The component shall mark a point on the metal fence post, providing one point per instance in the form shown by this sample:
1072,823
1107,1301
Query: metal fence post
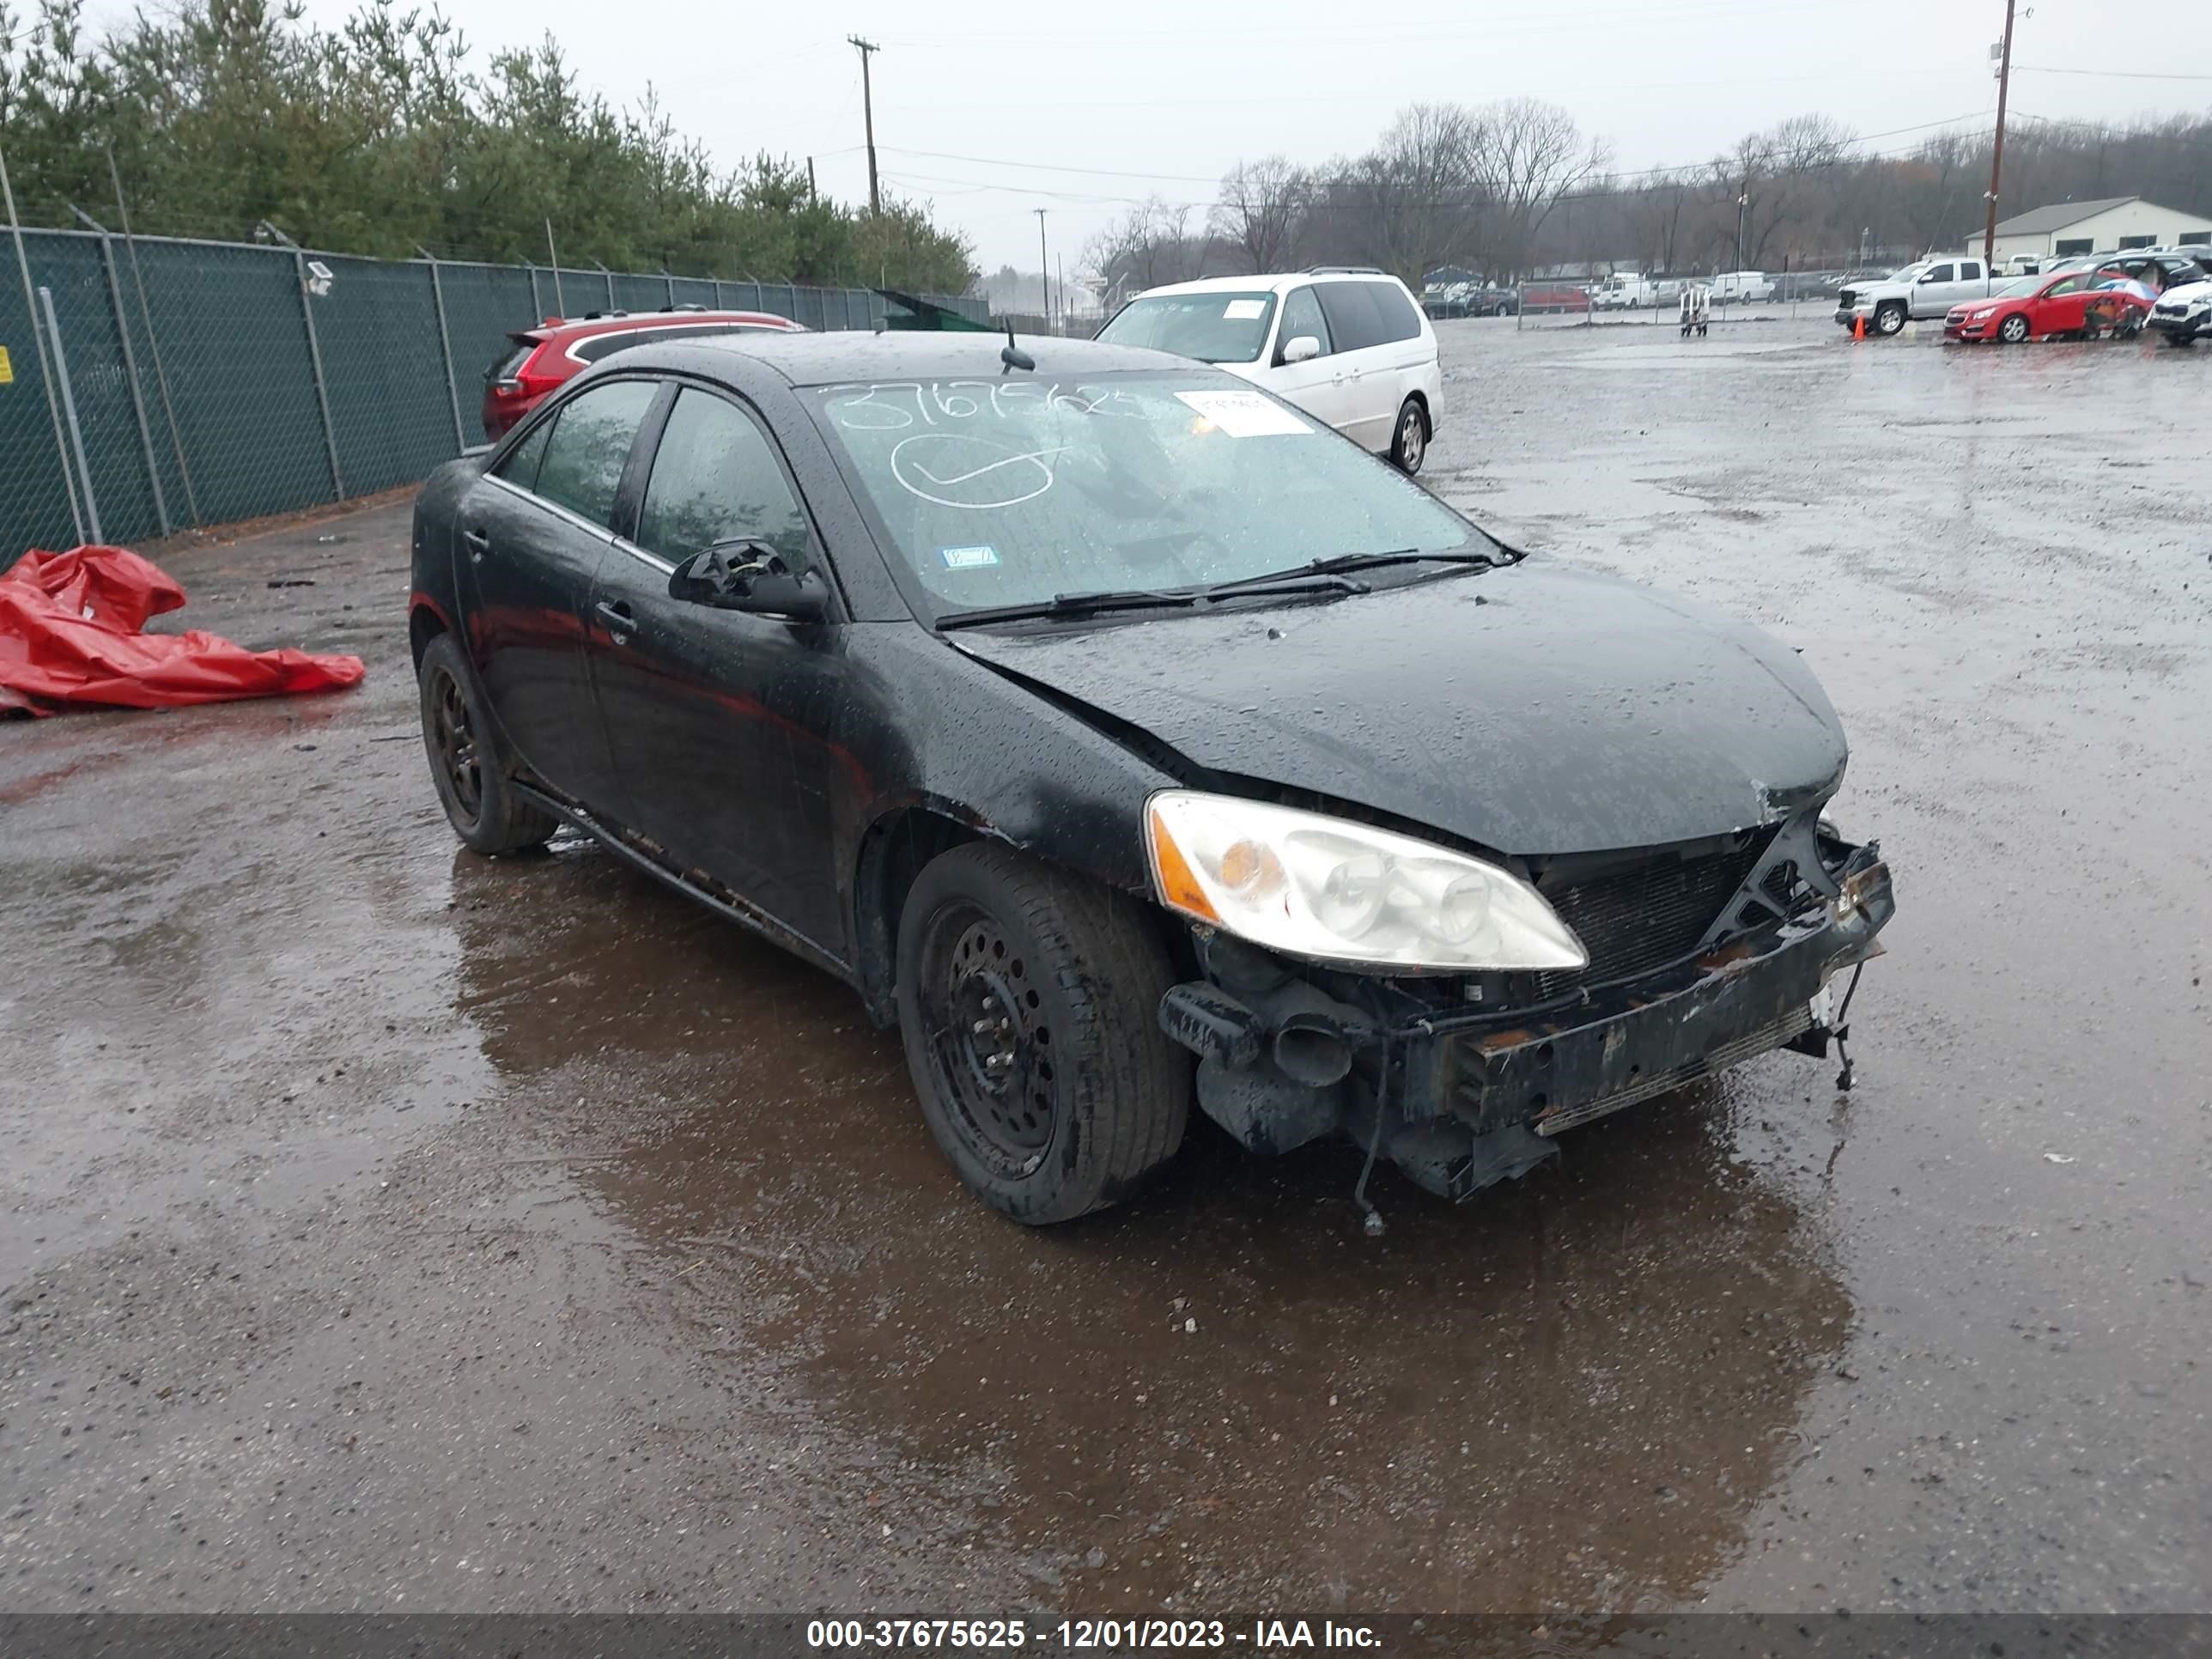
718,294
537,305
45,374
446,350
153,341
130,366
670,281
68,404
315,359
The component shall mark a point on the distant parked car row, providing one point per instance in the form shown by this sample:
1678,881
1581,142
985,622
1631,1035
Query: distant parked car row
2084,295
1441,299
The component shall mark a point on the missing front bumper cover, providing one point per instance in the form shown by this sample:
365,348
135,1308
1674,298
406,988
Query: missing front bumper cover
1465,1100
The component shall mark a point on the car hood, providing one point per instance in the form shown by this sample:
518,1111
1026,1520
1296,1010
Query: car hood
2188,294
1535,709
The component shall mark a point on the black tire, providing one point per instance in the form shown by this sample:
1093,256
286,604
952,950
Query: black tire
1409,439
2013,331
480,801
1889,318
1072,1094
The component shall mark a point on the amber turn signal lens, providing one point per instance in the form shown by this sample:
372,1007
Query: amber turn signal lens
1179,888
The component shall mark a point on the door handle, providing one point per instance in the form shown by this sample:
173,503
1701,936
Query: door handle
616,613
479,543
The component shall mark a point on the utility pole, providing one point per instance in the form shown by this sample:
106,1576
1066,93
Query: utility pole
1996,152
867,49
811,197
1743,206
1044,271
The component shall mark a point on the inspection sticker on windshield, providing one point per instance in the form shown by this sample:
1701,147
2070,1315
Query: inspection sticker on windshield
1242,311
1245,414
968,558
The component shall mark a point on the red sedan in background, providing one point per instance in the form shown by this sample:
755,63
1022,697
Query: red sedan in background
2072,303
543,358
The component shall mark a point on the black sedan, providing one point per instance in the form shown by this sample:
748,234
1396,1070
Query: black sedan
1128,737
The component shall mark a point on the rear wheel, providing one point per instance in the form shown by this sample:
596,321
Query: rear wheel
1029,1004
1409,444
480,801
2013,329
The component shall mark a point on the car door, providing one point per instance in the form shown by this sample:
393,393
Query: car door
533,532
1971,283
1356,326
2063,308
1931,293
719,720
1317,385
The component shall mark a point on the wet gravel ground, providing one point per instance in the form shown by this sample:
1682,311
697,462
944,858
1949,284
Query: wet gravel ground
389,1229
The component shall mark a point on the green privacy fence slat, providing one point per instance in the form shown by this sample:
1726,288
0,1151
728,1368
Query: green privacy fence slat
229,323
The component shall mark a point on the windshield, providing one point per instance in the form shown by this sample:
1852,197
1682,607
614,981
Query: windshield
1011,491
2021,288
1214,328
1904,275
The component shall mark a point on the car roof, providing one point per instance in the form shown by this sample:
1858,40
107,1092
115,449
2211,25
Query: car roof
834,358
582,328
1275,282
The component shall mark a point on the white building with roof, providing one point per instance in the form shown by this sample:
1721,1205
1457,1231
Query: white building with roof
2096,226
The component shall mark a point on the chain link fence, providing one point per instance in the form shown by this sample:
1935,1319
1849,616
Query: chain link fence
1791,294
153,384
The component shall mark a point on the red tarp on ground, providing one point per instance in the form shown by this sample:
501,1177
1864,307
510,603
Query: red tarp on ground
70,633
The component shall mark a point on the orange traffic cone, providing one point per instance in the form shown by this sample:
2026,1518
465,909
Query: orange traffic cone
1858,328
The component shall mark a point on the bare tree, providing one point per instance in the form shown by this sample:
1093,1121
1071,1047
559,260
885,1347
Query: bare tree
1261,210
1414,194
1524,155
1150,245
1770,176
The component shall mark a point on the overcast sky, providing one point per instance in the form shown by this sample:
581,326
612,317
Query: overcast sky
990,115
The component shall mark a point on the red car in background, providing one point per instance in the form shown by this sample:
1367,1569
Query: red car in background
2072,303
543,358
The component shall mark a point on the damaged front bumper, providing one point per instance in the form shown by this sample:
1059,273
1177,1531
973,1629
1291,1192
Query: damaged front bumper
1459,1099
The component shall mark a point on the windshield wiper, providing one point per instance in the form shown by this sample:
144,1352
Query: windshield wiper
1344,561
1074,604
1155,599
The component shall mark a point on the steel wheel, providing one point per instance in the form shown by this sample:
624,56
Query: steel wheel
454,738
990,1043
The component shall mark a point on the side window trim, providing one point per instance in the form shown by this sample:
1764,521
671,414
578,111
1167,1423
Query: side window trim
629,493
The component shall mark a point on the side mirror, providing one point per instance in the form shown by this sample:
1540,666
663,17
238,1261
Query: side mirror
1301,348
750,576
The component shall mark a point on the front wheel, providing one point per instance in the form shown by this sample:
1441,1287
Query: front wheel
1409,444
2014,330
1028,1001
1889,318
480,802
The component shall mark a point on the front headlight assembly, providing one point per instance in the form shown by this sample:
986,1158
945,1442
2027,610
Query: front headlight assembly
1335,890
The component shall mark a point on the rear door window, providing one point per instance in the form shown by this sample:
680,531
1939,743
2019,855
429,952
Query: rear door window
1354,321
520,466
1302,315
1970,272
590,447
1399,321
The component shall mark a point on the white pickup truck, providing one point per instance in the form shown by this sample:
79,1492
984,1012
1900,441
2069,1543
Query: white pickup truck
1926,290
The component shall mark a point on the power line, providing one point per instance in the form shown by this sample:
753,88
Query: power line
2117,75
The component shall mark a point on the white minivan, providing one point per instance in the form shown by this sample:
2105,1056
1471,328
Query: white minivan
1344,343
